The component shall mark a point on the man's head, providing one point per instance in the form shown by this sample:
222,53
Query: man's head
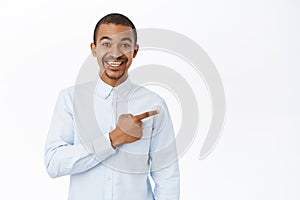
115,45
117,19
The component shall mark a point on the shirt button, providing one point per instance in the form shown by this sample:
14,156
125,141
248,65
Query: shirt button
109,179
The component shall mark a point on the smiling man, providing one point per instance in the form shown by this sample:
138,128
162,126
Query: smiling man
128,149
115,47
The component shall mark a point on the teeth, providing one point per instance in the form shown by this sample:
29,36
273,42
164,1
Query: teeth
114,64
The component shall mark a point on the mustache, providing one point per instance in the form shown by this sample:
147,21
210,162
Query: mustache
112,58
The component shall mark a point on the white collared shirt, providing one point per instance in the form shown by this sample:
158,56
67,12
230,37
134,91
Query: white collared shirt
98,171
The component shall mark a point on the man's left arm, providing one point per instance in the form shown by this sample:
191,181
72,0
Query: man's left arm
163,155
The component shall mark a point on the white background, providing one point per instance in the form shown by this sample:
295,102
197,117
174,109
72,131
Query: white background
255,46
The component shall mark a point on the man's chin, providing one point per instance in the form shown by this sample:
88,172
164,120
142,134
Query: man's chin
114,77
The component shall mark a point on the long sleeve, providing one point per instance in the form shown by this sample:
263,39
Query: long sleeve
62,155
163,155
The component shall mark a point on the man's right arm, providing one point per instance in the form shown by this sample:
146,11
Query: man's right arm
62,156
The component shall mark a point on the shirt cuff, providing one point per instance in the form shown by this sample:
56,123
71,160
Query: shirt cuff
102,148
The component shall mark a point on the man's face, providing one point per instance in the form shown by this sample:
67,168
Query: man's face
114,49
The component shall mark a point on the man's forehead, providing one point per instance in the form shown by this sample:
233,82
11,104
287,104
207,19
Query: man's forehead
114,31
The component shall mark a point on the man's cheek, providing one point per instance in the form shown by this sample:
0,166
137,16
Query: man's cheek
100,63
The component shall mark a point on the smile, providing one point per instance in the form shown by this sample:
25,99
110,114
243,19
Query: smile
113,63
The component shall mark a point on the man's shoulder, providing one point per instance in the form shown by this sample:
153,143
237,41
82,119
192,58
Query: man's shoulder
78,88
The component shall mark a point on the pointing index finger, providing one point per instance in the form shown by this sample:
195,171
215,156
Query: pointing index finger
145,115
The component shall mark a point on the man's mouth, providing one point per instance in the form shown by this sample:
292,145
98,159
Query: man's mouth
114,63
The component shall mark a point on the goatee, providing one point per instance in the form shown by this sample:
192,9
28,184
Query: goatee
114,77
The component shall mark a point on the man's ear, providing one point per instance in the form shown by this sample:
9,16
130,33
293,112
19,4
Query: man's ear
136,49
93,49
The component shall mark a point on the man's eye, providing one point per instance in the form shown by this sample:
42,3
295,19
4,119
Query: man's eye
125,45
106,44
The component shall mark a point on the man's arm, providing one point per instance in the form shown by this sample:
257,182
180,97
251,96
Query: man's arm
62,156
163,155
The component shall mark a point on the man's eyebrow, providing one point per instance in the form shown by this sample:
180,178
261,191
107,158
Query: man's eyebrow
105,37
124,39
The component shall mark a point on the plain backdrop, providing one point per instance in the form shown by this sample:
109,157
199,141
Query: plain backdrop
254,44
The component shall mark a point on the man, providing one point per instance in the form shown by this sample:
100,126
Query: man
110,153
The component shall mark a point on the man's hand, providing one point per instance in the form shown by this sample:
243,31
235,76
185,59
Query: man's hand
129,128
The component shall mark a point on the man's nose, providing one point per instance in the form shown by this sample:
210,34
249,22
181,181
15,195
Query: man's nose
115,51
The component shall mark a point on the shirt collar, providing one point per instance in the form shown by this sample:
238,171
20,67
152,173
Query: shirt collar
104,90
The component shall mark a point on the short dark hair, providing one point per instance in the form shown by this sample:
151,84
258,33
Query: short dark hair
118,19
